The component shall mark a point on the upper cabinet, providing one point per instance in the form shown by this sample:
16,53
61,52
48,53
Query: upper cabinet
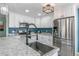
40,22
46,22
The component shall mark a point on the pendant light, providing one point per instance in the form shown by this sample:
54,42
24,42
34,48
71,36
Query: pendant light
48,8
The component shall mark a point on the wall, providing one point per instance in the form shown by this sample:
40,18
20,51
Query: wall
63,11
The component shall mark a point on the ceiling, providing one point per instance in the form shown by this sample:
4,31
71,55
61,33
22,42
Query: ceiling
34,8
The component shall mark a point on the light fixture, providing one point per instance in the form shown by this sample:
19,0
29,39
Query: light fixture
39,14
4,10
48,8
27,11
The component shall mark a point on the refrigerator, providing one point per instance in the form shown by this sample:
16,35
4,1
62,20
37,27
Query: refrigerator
64,35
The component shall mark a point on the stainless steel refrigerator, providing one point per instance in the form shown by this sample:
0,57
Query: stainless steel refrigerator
64,35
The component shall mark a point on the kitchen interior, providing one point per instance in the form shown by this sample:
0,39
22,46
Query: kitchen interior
37,29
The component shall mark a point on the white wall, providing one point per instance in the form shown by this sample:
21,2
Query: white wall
63,11
15,18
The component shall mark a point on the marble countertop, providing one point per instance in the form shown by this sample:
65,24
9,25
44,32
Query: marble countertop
13,47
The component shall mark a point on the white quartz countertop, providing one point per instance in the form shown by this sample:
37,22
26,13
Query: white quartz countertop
14,47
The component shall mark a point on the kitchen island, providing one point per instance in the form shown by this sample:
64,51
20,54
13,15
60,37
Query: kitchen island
14,47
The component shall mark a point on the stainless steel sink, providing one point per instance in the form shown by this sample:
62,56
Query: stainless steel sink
41,48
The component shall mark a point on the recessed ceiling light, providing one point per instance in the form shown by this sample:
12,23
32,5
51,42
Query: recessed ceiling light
27,10
39,14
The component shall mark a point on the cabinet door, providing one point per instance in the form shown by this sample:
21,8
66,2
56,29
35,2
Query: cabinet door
38,22
46,22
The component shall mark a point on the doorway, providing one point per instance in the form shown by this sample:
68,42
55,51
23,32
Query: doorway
2,25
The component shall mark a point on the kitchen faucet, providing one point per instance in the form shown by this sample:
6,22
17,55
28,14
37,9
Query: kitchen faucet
28,34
